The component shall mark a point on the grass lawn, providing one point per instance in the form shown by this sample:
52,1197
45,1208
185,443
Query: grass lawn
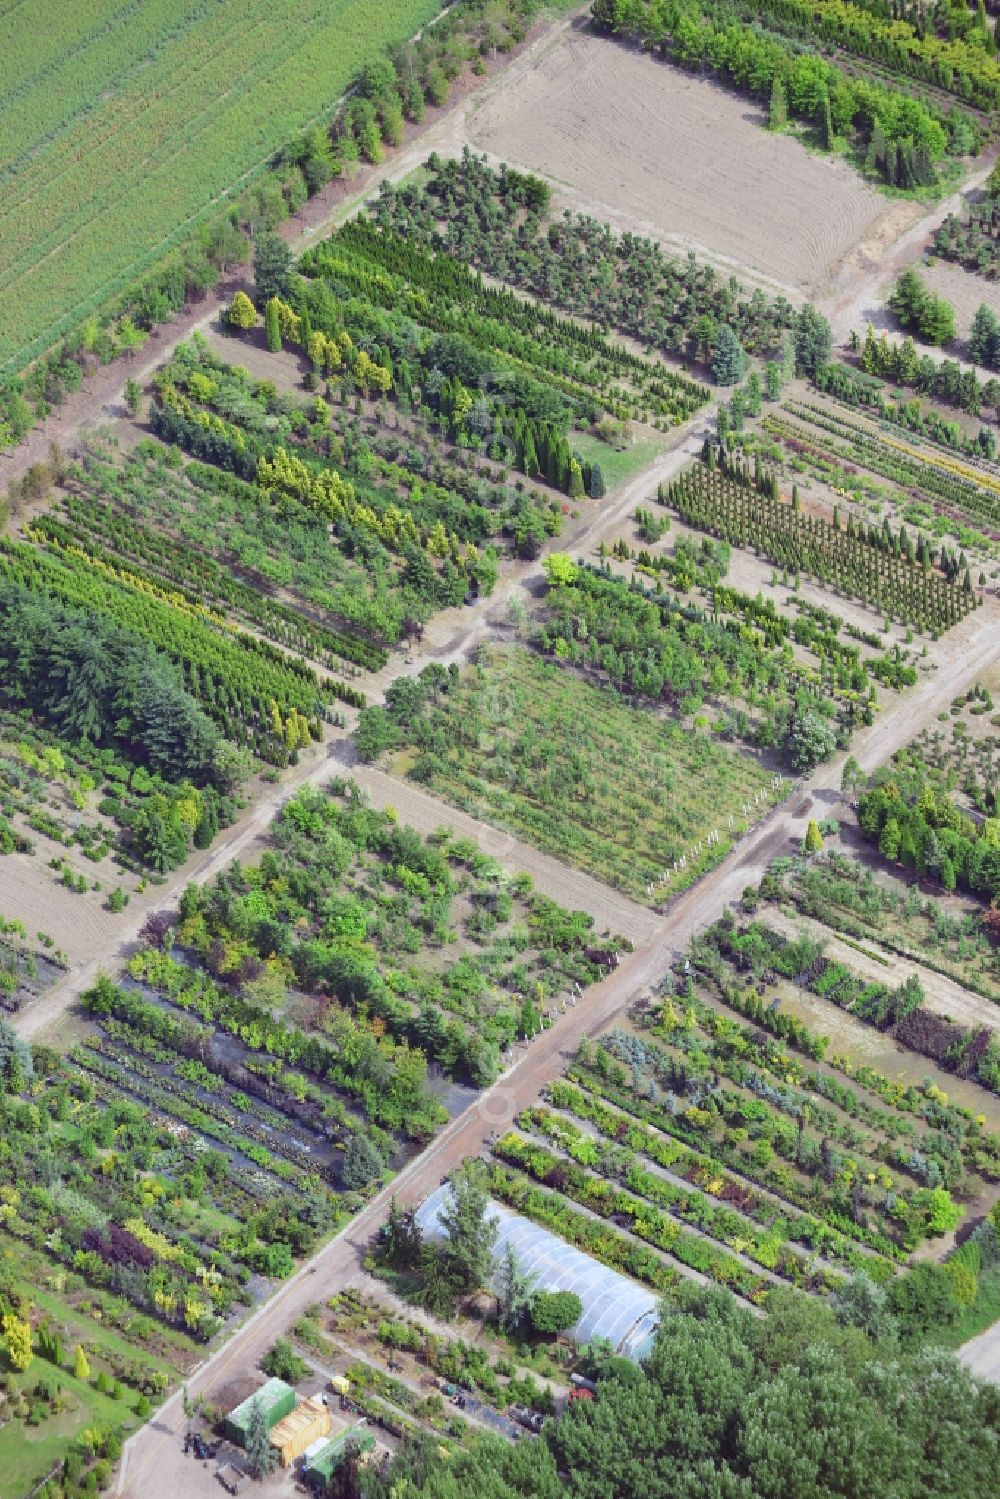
618,466
28,1453
618,791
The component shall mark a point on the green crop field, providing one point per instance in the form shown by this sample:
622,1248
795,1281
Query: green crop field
123,123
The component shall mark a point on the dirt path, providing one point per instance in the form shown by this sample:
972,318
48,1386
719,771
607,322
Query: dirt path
982,1354
858,294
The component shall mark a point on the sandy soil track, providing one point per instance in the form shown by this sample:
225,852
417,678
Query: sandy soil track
661,152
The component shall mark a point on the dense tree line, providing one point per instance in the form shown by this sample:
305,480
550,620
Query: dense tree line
862,387
902,138
496,221
446,295
916,824
87,678
963,65
900,363
806,1404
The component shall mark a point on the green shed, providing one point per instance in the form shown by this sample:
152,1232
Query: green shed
321,1465
277,1397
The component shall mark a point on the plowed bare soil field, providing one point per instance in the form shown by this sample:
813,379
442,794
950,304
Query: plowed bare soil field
649,148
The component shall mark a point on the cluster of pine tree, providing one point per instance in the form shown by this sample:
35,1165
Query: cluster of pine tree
922,310
902,163
901,363
543,452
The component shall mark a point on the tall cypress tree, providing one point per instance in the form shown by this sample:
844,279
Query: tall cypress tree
529,454
272,326
825,123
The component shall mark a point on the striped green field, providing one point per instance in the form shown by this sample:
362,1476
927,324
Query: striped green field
124,121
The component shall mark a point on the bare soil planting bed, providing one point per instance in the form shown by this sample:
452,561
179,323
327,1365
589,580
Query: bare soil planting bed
78,924
964,290
658,151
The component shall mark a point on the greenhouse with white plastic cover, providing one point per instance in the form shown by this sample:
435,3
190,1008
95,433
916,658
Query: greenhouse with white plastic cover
614,1307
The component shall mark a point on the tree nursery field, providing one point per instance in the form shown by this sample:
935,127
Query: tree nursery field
498,750
838,1151
617,790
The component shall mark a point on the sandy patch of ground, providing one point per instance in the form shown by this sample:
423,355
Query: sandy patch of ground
942,995
656,150
963,289
31,892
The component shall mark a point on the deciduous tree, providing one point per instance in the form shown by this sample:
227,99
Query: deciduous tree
555,1311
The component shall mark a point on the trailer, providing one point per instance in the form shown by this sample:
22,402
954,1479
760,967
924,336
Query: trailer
300,1429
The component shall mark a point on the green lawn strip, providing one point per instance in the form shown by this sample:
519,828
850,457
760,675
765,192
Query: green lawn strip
27,1453
617,464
